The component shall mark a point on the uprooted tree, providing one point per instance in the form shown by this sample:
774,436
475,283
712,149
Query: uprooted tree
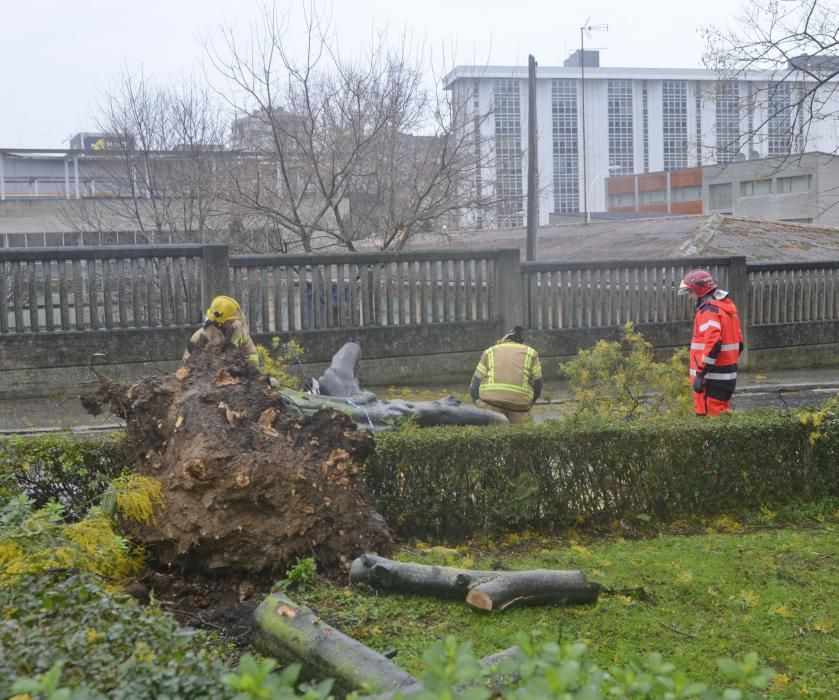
247,483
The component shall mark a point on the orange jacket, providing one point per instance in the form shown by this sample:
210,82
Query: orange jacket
716,344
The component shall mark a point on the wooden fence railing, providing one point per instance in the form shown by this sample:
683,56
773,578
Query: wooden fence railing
594,294
62,289
794,292
308,292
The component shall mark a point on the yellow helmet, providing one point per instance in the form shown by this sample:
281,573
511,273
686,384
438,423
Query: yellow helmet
224,309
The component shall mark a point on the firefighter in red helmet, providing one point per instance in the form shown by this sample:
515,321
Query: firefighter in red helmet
715,346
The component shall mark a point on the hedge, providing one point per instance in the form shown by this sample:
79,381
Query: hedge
70,469
458,481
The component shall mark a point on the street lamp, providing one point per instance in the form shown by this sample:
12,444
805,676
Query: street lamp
607,169
586,28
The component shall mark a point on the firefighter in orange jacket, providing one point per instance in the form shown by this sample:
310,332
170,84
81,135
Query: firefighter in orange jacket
508,379
716,344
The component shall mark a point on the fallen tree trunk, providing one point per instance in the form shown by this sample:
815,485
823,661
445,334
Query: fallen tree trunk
293,633
486,590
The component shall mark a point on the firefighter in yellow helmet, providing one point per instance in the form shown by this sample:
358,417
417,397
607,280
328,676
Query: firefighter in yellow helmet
224,324
508,379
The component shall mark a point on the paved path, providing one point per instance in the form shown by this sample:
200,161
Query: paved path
771,389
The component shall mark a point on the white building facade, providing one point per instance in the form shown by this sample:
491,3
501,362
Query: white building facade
637,120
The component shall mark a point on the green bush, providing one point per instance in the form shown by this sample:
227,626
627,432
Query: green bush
623,380
457,481
71,470
107,643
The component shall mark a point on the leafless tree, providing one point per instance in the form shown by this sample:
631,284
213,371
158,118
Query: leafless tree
162,167
795,44
343,148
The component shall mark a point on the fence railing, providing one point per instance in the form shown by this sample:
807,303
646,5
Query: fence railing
794,292
594,294
62,289
80,289
307,292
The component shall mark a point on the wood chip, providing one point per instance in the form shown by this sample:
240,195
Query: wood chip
224,378
271,432
182,373
267,416
229,413
179,422
286,611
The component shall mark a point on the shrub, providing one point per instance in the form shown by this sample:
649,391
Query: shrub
457,481
277,362
623,380
108,645
71,470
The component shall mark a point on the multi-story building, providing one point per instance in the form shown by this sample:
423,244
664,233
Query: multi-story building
803,188
637,120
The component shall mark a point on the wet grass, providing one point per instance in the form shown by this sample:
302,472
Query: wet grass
723,592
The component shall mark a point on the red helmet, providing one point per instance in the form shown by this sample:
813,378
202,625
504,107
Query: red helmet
699,282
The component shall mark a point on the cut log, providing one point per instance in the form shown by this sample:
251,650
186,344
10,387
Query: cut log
486,590
293,633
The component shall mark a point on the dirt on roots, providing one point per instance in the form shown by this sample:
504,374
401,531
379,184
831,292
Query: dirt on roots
248,485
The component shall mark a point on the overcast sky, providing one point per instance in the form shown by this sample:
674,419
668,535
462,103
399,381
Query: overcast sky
58,55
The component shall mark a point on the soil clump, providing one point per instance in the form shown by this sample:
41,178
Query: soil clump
248,484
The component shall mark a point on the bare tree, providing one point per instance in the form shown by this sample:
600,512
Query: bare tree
795,46
161,170
341,149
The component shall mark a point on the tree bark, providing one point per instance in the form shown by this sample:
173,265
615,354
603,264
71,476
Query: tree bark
486,590
293,633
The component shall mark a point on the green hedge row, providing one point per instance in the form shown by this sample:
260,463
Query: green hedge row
70,469
459,481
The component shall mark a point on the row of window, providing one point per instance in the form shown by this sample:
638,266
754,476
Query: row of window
679,194
781,129
721,196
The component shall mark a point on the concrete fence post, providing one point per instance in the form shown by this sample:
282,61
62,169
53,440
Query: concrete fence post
509,289
739,287
216,272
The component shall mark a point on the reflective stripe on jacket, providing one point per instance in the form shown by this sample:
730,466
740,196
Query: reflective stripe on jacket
715,346
507,371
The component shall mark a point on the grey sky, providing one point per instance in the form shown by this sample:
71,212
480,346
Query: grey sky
58,56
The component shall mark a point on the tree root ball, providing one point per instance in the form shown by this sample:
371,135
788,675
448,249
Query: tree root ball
248,485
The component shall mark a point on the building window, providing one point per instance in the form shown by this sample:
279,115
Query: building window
686,194
720,196
728,121
796,183
698,107
565,148
508,154
626,199
645,112
779,126
675,123
621,147
476,127
753,187
652,197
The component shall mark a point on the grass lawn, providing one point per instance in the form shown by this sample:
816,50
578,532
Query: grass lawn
773,590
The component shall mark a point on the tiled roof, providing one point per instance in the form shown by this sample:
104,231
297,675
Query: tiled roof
665,237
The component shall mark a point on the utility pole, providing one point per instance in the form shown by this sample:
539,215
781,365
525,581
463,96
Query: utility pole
532,161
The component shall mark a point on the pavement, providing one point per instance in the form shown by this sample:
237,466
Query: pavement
777,389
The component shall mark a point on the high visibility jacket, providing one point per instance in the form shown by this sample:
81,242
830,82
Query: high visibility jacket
507,371
234,332
716,344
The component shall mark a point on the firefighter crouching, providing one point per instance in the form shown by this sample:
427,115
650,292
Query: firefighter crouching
715,346
224,324
508,379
